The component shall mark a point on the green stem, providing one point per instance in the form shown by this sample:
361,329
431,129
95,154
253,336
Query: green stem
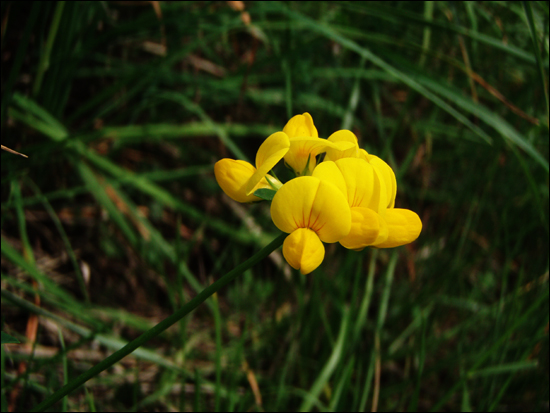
218,355
163,325
427,35
533,30
45,57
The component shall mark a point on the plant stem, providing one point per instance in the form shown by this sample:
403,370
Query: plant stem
163,325
536,49
45,57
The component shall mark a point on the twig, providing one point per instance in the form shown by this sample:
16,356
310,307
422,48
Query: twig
5,148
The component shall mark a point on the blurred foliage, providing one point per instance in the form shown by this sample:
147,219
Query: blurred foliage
115,219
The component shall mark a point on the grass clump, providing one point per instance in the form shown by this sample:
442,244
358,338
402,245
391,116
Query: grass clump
115,220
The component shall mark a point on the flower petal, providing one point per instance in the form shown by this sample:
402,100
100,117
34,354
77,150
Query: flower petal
330,213
365,188
303,250
388,176
328,171
404,227
271,151
233,176
292,203
365,227
363,154
345,146
379,200
303,148
384,231
308,202
301,126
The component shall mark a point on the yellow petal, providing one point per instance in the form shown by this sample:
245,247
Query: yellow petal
345,146
233,176
388,176
303,250
292,203
363,184
365,227
330,213
303,148
301,126
308,202
384,231
363,154
379,199
271,151
329,172
404,227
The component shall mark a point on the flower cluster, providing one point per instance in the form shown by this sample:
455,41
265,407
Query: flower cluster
348,198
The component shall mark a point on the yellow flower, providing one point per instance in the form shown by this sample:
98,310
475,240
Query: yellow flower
239,179
370,188
302,153
349,198
404,226
301,126
271,151
305,144
233,177
311,211
387,175
383,169
365,192
346,146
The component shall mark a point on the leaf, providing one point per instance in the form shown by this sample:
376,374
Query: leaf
265,193
6,339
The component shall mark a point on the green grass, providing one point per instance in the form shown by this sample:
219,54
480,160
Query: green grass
115,221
